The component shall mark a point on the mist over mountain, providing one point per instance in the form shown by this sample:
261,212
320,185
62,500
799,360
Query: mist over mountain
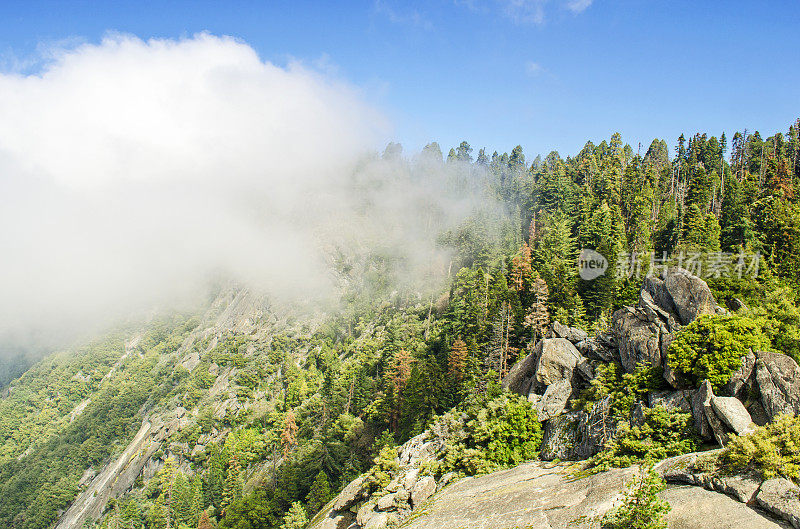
134,173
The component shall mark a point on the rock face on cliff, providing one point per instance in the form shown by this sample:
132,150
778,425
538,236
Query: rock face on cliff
119,475
645,331
778,379
234,310
545,496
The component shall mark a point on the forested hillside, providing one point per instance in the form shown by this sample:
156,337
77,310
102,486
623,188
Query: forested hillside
278,408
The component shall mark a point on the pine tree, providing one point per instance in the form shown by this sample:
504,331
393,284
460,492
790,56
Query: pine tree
464,152
296,518
233,484
537,317
521,268
457,359
399,374
319,494
289,434
205,521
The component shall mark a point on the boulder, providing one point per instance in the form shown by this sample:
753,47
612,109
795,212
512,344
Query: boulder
379,520
334,522
595,428
672,400
735,304
354,492
415,450
554,400
657,292
410,479
556,360
778,380
424,489
690,295
560,437
593,350
365,513
757,413
572,334
705,420
733,413
655,313
402,496
639,339
741,378
386,503
781,497
518,378
637,414
445,480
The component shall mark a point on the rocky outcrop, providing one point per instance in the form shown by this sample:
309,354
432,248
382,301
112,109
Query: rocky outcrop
519,377
573,334
556,360
533,495
705,419
119,475
781,497
690,295
778,496
778,379
551,374
697,508
638,337
560,437
733,414
672,400
579,434
545,496
643,333
554,400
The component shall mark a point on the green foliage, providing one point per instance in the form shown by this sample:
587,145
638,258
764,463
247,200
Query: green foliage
779,318
711,348
624,389
772,450
641,508
660,434
490,434
296,518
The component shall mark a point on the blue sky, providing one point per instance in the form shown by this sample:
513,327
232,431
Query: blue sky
547,74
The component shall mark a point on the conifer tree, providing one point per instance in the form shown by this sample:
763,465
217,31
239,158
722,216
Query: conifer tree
319,494
457,359
289,434
205,521
296,518
233,483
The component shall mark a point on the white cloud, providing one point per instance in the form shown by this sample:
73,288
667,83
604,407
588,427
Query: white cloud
525,11
579,6
407,18
132,172
533,68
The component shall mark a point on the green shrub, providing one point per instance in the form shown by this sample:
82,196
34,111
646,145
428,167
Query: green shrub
711,348
487,435
386,464
663,433
779,317
625,389
772,450
641,507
